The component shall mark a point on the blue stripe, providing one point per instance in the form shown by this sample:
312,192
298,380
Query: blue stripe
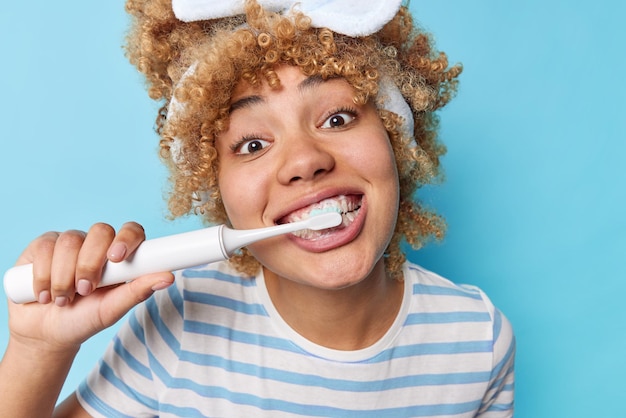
334,384
460,347
170,339
177,300
497,325
501,407
423,289
500,382
108,373
420,410
507,360
240,336
446,317
181,411
195,273
137,328
224,302
130,360
96,403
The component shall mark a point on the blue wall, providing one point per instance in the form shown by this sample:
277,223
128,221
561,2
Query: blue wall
535,189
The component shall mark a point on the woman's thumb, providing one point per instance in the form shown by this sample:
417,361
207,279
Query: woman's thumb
123,298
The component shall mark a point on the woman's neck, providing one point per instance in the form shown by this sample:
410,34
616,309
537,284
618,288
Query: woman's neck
343,319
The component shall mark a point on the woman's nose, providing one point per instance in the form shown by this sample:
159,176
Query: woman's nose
304,160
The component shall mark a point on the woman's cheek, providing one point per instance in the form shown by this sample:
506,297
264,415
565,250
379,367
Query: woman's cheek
243,195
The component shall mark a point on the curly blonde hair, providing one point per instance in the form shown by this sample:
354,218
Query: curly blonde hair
249,47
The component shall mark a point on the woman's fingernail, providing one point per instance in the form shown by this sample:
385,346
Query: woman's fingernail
61,301
83,287
117,252
44,297
161,286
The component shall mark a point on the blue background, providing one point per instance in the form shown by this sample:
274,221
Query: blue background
535,189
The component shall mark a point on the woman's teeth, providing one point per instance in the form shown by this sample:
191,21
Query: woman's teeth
348,208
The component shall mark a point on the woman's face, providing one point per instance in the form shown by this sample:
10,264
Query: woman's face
291,152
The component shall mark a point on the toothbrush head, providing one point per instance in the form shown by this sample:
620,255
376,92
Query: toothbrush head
323,220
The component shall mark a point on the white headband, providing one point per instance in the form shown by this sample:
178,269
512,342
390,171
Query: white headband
348,17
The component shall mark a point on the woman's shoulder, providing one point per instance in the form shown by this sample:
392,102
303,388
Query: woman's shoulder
427,282
440,299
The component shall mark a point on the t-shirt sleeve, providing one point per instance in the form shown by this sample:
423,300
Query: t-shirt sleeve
499,398
124,382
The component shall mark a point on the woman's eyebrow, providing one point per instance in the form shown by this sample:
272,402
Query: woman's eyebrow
245,102
306,84
310,83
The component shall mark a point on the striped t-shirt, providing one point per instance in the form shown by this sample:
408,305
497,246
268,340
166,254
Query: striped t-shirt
213,345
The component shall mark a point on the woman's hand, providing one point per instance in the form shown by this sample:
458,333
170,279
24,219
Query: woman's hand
67,268
46,335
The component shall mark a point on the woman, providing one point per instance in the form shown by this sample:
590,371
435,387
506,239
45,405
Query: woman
271,115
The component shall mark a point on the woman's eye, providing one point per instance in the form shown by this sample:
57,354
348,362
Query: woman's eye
338,119
250,146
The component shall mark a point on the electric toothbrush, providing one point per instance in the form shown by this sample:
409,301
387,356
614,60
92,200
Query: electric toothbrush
173,252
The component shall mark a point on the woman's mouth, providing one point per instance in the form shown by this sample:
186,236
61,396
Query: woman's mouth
347,206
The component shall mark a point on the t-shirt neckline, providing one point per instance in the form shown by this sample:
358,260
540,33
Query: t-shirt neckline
329,353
